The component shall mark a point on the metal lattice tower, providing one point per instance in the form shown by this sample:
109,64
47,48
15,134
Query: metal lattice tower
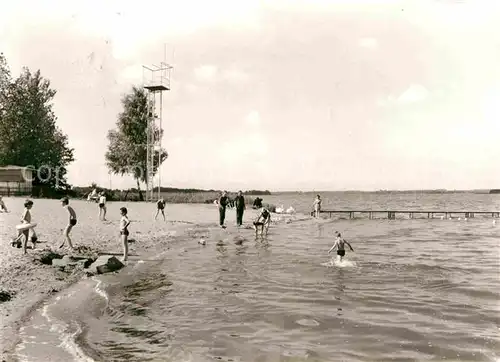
156,79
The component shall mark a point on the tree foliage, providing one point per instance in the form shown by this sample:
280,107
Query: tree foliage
127,151
28,132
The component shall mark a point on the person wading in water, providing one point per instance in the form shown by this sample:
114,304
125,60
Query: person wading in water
223,200
240,208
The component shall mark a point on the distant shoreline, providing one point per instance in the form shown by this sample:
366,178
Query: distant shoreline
198,196
481,191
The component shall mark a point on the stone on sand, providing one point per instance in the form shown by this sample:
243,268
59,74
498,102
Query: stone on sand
47,256
106,264
71,261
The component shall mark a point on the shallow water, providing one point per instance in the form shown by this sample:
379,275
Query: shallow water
422,289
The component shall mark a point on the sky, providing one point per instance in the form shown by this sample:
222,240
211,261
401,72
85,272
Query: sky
278,95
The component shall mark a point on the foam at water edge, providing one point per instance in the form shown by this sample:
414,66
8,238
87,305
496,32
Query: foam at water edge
340,264
100,291
70,345
68,342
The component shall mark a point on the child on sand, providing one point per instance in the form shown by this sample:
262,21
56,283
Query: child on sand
263,221
339,244
124,223
26,219
160,205
2,205
71,223
102,206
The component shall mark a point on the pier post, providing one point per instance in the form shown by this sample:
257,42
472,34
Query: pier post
428,215
370,215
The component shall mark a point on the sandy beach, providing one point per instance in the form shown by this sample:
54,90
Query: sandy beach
31,282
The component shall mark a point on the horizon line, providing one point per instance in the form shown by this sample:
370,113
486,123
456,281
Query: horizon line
309,191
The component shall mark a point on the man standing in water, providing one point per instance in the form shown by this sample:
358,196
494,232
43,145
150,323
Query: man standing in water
339,244
223,200
317,206
239,202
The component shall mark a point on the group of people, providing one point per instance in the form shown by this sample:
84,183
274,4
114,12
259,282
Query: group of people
263,220
28,234
261,223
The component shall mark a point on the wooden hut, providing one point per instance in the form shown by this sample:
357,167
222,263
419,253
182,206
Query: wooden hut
16,180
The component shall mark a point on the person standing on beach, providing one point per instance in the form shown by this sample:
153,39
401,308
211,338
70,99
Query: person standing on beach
239,202
124,233
2,205
223,200
160,206
317,206
71,223
102,206
26,219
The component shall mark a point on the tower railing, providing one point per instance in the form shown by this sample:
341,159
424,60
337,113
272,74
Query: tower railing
156,80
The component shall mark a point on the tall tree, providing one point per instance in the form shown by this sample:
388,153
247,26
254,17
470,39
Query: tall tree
28,132
127,151
5,80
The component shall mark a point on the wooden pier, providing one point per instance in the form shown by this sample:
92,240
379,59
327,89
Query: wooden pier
391,214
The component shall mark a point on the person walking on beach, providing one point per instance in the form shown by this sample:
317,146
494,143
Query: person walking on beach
239,202
317,206
339,244
223,200
262,221
2,205
124,233
71,222
102,206
160,207
26,219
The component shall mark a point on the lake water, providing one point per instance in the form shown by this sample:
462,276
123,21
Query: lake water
413,290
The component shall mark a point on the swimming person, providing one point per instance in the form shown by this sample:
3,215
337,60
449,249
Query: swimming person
339,244
160,206
2,205
239,202
71,223
317,206
102,206
263,221
124,223
222,208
